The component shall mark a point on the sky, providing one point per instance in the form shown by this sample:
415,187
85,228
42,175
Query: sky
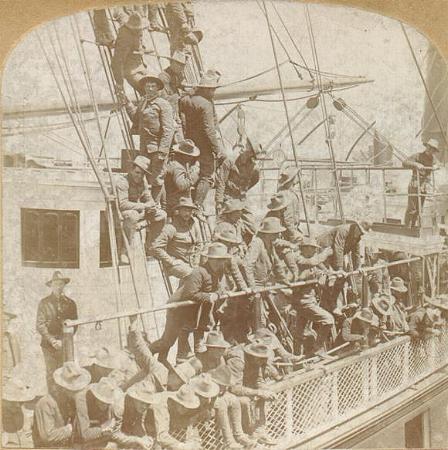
236,42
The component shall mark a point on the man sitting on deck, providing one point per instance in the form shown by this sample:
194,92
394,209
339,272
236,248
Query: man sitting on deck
136,204
421,164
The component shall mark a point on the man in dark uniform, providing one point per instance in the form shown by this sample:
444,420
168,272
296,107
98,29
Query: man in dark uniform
180,242
421,165
153,121
51,314
200,124
182,174
173,79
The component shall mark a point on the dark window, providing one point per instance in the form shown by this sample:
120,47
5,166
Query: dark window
50,238
414,432
105,253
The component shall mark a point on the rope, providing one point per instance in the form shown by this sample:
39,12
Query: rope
324,110
425,85
358,139
285,105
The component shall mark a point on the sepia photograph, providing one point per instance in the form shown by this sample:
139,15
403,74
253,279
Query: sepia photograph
224,226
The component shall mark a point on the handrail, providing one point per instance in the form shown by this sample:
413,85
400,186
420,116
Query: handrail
233,295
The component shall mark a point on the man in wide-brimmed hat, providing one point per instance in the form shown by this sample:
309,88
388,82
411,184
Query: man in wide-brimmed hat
213,350
382,308
51,314
235,213
358,329
180,19
127,60
55,413
153,120
200,124
399,311
265,259
201,286
423,322
148,12
182,174
422,164
137,204
178,245
235,177
379,280
103,361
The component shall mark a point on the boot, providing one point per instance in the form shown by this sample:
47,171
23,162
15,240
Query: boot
234,412
262,436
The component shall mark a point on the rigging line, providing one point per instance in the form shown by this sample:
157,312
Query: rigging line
60,141
424,84
272,29
358,139
439,104
285,105
323,72
291,38
251,77
324,111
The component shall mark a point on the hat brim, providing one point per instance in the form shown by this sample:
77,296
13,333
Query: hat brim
199,35
380,309
65,280
103,365
218,237
149,399
206,394
277,208
215,256
99,396
147,78
310,245
80,384
26,397
278,230
141,167
222,345
189,405
402,290
230,211
290,178
363,319
193,206
178,150
266,356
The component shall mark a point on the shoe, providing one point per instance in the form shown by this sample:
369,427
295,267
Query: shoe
246,441
262,437
233,446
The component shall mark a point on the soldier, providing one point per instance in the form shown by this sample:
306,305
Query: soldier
173,78
382,308
228,415
235,178
52,312
214,349
102,27
96,421
55,413
310,260
236,214
201,286
423,322
146,12
136,204
399,313
379,280
102,364
200,124
182,174
285,205
247,364
359,329
265,262
153,120
179,243
421,164
10,349
180,18
127,60
14,394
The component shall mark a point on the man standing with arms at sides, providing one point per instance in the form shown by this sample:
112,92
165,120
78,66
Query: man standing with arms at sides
421,164
153,120
52,312
200,124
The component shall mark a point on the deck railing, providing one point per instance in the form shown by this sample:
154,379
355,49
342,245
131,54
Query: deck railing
312,402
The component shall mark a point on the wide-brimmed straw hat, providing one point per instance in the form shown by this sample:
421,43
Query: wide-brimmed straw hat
186,397
222,376
382,304
142,162
271,225
104,357
215,339
144,391
57,276
204,386
288,175
232,205
228,235
71,377
365,315
397,284
136,22
15,390
258,349
217,250
433,143
210,79
278,202
104,390
182,373
153,78
186,147
309,242
185,202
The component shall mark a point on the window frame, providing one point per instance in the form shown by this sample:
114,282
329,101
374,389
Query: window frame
59,261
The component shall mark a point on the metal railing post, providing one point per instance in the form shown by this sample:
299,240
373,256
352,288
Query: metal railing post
372,370
406,362
334,403
289,419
